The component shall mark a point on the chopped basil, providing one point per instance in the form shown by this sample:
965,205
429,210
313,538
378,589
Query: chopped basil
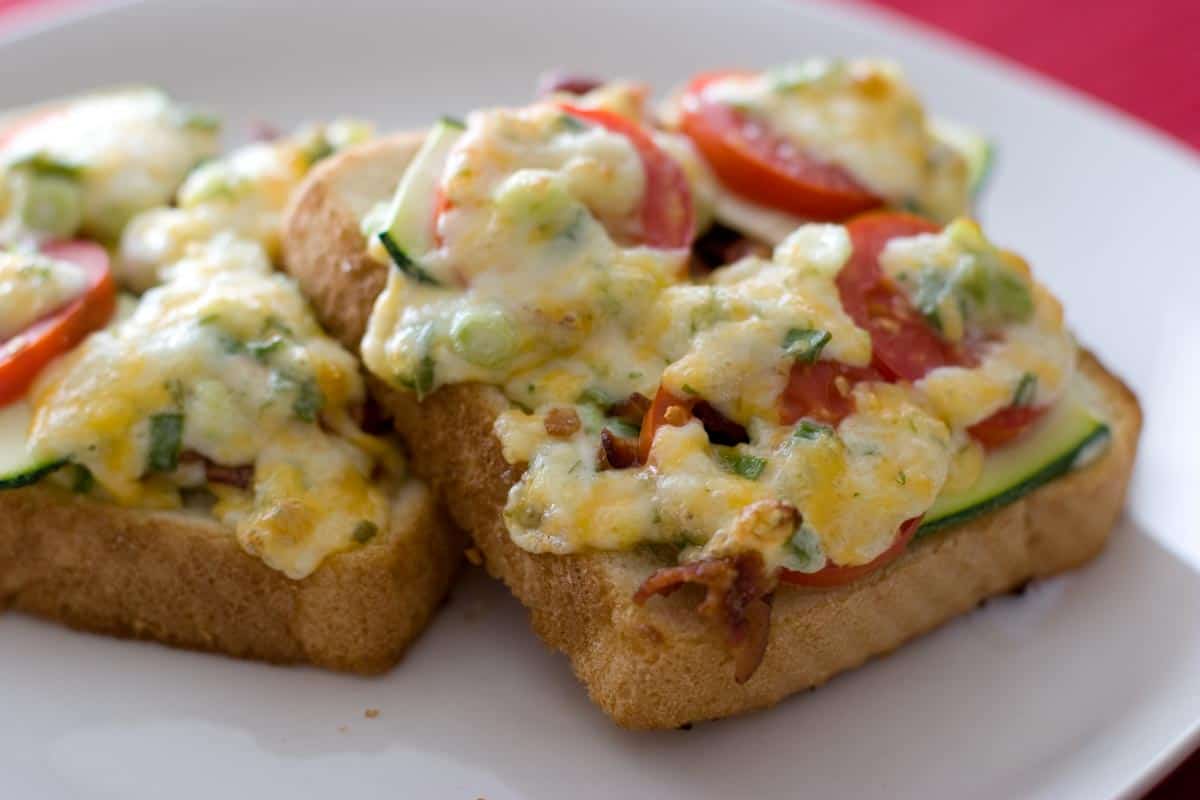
82,479
365,531
423,378
571,123
744,464
309,400
594,397
403,262
166,440
807,429
48,166
1026,390
805,344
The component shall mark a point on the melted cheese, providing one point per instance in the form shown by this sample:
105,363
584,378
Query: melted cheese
542,295
859,115
244,192
231,349
126,151
32,286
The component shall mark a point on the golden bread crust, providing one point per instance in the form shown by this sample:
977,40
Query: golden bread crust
182,579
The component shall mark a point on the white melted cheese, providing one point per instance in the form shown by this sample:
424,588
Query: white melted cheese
244,192
543,297
861,116
231,349
32,286
126,151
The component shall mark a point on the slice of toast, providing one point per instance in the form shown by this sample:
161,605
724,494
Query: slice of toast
183,579
662,665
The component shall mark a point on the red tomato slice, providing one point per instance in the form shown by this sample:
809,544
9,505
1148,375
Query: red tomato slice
833,575
656,417
667,216
765,167
25,355
813,391
1006,425
904,345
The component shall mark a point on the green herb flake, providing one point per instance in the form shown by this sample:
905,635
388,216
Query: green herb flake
571,123
594,397
48,166
807,429
452,122
82,479
262,350
901,478
743,464
309,400
423,378
805,344
1026,390
689,389
365,531
166,440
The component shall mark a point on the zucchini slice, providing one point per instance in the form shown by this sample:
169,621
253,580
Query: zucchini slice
18,467
978,151
1070,436
408,234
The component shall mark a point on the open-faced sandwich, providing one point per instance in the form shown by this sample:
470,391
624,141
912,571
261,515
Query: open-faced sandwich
722,452
201,464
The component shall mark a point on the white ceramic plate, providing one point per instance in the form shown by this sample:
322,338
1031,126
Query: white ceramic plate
1088,686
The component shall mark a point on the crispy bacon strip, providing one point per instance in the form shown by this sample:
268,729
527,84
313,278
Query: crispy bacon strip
737,597
720,428
240,477
616,452
632,409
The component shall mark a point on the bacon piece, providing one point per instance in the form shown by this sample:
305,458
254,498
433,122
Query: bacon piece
569,83
240,477
720,428
616,452
719,246
562,422
737,597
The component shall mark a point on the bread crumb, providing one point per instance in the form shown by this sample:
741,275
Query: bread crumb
371,713
474,556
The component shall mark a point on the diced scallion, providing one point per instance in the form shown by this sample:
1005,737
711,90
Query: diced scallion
166,440
805,344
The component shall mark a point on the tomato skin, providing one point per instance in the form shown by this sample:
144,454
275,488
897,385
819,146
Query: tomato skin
656,417
812,391
765,167
904,345
24,356
1006,425
667,213
833,575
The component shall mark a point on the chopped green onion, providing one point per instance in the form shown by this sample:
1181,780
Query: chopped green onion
452,122
571,123
1026,390
807,429
45,166
309,400
484,336
365,531
166,440
82,479
595,397
688,389
403,262
423,379
805,344
744,464
52,204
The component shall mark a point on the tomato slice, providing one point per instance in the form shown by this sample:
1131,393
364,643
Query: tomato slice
904,345
765,167
834,575
656,417
1006,425
814,391
667,215
25,355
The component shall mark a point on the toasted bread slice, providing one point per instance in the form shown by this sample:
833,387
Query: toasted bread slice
184,580
662,665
